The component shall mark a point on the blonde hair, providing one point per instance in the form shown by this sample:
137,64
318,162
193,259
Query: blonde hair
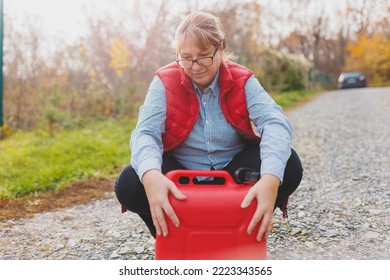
203,28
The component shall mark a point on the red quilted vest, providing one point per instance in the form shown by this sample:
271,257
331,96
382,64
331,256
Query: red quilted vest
183,105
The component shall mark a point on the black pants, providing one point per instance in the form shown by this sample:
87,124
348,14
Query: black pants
131,193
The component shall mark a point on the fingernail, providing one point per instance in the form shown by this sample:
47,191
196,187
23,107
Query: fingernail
244,204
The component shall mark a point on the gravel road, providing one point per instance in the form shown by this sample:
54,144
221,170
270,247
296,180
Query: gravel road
340,211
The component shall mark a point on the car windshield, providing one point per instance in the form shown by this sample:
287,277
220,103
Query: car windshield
352,74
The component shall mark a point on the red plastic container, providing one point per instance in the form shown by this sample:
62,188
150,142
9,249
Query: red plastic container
212,223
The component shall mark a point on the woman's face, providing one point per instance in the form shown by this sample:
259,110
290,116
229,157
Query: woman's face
201,75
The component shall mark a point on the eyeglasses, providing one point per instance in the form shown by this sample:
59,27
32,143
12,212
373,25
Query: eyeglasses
202,61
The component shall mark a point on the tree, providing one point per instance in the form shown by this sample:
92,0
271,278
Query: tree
371,54
23,71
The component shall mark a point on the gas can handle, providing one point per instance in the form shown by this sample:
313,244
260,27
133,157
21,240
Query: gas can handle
174,175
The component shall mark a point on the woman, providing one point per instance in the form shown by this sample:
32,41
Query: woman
198,114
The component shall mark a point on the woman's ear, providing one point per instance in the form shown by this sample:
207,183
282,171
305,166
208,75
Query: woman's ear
223,44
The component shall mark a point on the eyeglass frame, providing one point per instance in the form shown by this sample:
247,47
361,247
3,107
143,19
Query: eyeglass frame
196,59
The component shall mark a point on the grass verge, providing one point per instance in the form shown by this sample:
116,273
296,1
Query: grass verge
33,162
292,99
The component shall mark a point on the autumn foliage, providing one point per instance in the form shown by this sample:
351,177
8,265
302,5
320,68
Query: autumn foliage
106,72
371,54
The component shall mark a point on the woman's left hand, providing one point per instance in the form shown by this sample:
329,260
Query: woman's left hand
265,192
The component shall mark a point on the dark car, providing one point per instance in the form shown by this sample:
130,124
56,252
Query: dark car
351,80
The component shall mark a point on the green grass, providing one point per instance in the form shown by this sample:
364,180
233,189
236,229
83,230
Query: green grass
291,99
33,161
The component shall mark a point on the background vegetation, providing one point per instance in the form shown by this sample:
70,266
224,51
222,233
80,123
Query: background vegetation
291,45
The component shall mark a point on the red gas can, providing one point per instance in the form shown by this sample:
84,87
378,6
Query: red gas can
212,223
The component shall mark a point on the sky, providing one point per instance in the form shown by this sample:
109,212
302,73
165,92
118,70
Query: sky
66,16
59,17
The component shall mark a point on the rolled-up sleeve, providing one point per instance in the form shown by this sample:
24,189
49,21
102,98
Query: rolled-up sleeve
146,139
272,125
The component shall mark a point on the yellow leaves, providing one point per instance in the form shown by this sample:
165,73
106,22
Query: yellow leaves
119,54
5,131
371,54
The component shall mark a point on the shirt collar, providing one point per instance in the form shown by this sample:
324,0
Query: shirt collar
214,86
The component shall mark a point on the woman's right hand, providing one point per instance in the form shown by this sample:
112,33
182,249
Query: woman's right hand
157,188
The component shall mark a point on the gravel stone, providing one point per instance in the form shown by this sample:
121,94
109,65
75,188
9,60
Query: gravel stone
372,235
340,211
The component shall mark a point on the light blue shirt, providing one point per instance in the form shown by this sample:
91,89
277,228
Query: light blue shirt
212,142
